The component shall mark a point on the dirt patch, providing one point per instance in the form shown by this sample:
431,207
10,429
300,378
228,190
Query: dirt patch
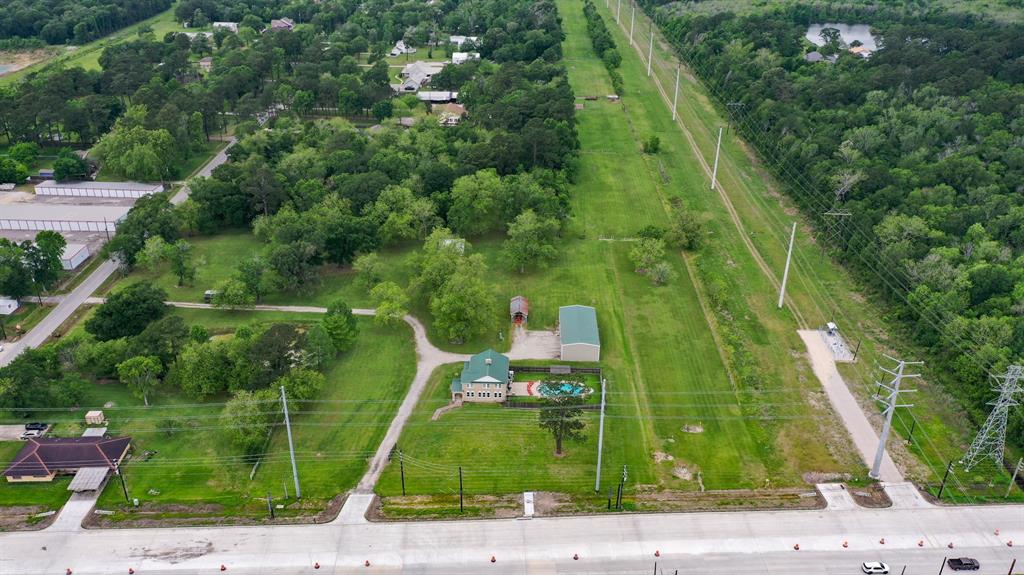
682,472
179,515
23,518
692,428
176,554
22,59
445,507
661,456
816,477
651,499
872,496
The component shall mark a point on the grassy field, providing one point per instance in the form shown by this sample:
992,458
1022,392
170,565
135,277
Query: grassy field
819,289
192,463
25,317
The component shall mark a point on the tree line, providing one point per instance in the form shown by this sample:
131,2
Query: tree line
73,21
921,143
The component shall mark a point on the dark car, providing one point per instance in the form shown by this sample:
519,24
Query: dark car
35,426
963,564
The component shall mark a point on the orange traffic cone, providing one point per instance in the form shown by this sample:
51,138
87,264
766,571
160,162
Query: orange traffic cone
845,544
493,559
881,541
316,565
796,547
366,563
69,571
920,542
950,545
657,553
223,568
575,556
997,531
131,571
1009,543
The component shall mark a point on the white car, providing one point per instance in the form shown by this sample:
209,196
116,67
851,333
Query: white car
874,567
31,433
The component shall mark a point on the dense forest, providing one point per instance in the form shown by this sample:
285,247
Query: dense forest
922,143
73,21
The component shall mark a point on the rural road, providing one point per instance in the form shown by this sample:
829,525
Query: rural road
67,305
735,542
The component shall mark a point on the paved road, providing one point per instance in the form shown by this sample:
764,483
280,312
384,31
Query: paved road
845,404
39,334
739,542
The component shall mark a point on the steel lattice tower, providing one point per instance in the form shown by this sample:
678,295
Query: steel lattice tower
991,440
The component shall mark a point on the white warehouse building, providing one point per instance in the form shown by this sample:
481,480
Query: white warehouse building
90,189
73,256
61,217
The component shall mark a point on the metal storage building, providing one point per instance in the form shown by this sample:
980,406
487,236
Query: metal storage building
8,305
73,256
577,329
61,217
90,189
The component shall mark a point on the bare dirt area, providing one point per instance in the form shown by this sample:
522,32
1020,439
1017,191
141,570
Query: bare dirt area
12,61
553,504
420,507
872,496
23,518
155,515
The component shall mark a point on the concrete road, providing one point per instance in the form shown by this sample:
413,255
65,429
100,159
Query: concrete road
39,334
854,420
739,542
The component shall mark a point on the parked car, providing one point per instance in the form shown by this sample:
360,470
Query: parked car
963,564
874,567
35,426
31,433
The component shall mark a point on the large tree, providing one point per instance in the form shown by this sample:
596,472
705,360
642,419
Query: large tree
127,312
562,416
465,305
531,240
140,374
341,325
247,418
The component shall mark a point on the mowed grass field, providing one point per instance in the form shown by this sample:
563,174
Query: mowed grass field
819,288
190,460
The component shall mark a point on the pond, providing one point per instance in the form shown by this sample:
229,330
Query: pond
849,33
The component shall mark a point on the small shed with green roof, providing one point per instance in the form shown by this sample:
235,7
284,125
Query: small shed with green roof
577,329
484,378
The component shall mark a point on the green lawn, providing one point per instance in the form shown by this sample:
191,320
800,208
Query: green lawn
25,317
334,435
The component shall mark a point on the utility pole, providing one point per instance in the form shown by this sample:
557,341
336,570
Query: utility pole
1016,470
718,150
675,97
785,272
944,477
401,466
461,508
622,483
632,20
270,505
650,51
600,439
991,440
125,488
893,387
291,446
618,8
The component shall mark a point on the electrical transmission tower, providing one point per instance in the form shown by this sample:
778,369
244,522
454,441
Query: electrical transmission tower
991,439
893,387
834,227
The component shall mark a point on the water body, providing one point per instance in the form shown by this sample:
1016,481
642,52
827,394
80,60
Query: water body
849,33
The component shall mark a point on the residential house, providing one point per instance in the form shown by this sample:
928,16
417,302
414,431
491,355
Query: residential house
814,57
862,51
485,378
42,459
229,26
400,48
416,74
407,121
461,57
449,114
206,64
460,40
282,24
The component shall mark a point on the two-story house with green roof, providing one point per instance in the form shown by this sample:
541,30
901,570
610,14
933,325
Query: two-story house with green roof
484,378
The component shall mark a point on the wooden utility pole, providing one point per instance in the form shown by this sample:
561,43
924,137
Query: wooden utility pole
785,272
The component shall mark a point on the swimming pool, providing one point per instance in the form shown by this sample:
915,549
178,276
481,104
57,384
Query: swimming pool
564,388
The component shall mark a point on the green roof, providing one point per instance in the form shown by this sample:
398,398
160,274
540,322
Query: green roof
478,368
578,324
